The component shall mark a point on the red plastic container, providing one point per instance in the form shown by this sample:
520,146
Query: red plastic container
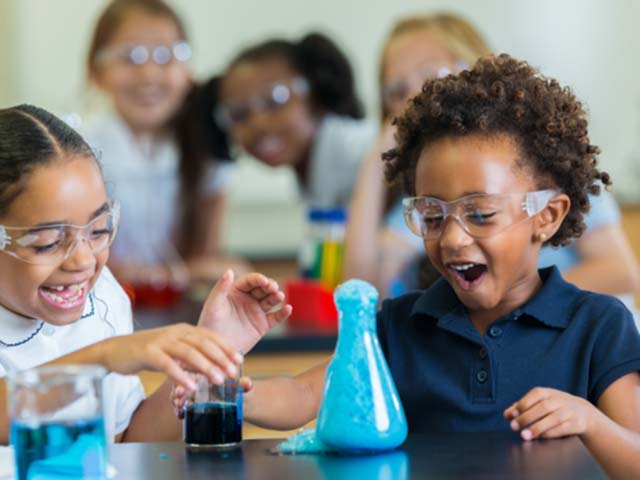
312,303
154,295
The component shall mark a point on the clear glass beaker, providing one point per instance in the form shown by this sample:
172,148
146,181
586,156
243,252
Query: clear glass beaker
57,422
213,418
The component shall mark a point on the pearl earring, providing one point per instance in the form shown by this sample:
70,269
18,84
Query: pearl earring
542,237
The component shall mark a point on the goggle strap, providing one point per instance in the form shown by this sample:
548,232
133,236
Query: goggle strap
536,201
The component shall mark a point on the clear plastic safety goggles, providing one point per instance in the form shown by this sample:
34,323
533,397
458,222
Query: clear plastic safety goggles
142,54
52,244
480,215
397,90
272,99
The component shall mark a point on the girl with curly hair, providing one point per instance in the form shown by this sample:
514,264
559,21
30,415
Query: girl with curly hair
379,247
499,163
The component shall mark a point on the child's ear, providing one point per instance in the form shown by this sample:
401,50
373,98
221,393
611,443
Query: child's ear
548,221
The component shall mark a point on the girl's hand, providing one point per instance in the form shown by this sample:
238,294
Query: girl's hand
179,395
174,350
550,413
245,310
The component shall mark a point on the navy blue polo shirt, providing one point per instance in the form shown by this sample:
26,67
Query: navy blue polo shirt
451,378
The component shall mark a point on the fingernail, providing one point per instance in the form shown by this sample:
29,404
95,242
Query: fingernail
216,377
191,385
238,357
526,434
515,414
232,370
514,425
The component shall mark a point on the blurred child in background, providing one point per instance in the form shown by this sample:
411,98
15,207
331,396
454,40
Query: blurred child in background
166,163
295,104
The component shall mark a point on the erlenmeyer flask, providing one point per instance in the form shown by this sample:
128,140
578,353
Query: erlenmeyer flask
360,410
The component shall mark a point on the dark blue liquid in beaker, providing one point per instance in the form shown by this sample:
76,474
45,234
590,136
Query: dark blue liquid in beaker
72,450
215,424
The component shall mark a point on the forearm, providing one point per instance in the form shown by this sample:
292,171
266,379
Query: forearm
365,219
211,211
604,276
154,419
282,403
614,447
608,263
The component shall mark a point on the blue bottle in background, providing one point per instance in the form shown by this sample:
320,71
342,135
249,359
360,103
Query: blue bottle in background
361,409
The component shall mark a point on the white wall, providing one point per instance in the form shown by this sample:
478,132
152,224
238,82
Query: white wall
590,45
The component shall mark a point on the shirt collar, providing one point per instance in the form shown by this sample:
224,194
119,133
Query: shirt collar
552,305
16,330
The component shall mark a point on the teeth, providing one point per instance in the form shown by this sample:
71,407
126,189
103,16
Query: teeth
76,287
463,267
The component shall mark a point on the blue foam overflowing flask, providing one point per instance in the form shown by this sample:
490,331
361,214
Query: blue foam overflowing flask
360,410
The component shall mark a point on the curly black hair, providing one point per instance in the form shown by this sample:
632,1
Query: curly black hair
502,95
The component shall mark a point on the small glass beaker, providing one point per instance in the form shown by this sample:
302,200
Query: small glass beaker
213,417
57,423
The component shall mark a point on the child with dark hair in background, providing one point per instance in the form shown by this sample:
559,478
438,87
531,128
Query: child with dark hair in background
295,104
498,162
165,159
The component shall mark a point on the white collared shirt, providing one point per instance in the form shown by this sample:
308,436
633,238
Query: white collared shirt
26,343
145,179
338,150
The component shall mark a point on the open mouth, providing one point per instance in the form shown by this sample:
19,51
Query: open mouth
468,274
64,297
269,147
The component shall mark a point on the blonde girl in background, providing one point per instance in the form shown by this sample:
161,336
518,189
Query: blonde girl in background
167,165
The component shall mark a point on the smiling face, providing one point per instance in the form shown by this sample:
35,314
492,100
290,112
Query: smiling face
67,190
145,96
277,135
491,276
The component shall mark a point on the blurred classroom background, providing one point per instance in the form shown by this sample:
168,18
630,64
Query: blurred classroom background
588,44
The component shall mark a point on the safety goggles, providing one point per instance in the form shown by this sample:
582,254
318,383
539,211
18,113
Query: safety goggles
399,89
272,99
480,215
142,54
53,244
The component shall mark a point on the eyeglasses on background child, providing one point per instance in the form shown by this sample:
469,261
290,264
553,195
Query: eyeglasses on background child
275,97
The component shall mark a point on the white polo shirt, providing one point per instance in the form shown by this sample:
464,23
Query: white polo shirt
145,179
26,343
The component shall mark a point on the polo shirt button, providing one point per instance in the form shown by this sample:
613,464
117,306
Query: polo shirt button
482,353
495,331
482,376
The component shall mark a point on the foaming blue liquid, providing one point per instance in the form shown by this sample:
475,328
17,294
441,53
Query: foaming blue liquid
69,450
361,409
